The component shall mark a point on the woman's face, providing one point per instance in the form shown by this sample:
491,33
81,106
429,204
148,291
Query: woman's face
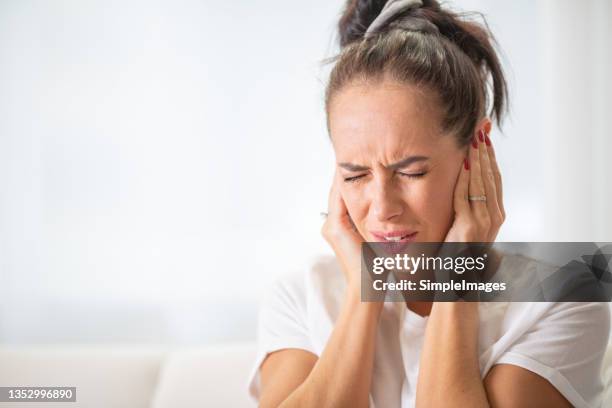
399,171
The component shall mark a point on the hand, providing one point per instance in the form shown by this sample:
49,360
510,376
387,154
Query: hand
341,234
478,221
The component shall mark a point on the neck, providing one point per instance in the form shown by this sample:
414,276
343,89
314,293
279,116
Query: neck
420,308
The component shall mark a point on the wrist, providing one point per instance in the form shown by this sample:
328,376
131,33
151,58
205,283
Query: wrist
353,301
464,314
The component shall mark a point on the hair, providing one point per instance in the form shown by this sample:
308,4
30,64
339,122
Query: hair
456,60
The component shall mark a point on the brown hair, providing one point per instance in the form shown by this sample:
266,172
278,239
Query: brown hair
456,60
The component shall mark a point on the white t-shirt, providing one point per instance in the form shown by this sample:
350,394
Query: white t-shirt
562,342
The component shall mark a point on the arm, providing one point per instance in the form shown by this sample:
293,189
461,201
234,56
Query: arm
338,377
512,386
449,372
449,369
342,375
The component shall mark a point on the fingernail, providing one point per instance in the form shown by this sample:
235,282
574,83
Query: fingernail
481,136
487,140
466,164
474,143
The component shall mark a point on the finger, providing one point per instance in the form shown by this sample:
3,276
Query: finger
488,180
496,174
337,231
332,200
337,210
476,188
460,199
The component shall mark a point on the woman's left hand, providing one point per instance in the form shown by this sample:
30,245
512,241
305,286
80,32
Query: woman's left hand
478,220
454,326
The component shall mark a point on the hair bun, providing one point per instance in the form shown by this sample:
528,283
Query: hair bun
398,14
470,37
356,18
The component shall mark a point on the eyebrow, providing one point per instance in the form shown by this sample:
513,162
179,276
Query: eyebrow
394,166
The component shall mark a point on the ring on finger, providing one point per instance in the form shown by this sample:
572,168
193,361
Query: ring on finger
477,198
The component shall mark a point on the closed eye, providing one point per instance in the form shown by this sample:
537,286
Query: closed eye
409,175
353,178
412,175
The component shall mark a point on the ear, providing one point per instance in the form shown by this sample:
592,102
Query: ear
485,125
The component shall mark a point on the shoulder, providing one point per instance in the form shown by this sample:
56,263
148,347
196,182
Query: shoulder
321,278
290,312
319,283
587,323
578,323
562,342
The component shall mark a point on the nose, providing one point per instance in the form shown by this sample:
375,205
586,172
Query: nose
386,203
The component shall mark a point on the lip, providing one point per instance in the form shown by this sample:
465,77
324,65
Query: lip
391,248
409,235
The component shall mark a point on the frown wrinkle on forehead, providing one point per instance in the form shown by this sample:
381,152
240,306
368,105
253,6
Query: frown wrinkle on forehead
383,123
405,162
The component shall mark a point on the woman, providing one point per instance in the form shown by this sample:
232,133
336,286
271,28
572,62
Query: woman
406,106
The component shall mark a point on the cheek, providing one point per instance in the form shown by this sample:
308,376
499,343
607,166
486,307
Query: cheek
356,204
355,201
432,203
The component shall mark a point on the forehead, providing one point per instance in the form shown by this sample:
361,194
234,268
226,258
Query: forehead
384,117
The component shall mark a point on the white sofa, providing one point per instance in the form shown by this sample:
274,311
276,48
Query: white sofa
138,377
133,377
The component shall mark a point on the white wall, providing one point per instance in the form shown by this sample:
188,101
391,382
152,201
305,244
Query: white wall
576,45
162,162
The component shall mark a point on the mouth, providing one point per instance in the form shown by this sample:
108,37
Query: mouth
395,236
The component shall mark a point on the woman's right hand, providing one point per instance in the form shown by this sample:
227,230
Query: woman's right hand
341,234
